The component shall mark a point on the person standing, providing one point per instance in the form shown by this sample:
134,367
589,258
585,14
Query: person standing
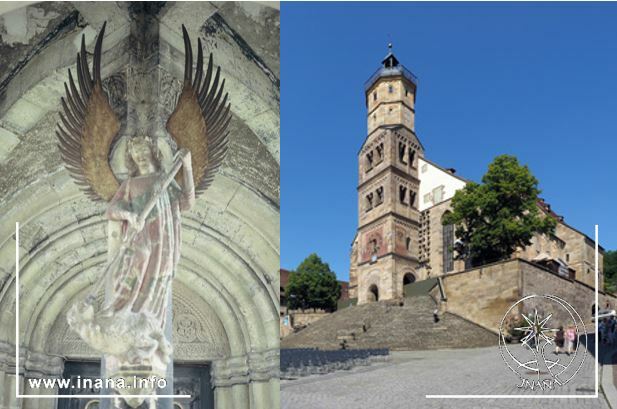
570,337
559,339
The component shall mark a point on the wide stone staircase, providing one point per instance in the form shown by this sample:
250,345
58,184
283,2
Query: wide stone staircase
410,326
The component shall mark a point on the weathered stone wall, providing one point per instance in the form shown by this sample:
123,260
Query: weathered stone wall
391,101
580,296
307,317
353,269
571,246
432,244
483,295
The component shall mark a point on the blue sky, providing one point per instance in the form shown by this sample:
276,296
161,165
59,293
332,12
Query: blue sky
535,80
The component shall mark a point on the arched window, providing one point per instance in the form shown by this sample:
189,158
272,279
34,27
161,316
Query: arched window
412,156
402,194
401,152
369,161
369,202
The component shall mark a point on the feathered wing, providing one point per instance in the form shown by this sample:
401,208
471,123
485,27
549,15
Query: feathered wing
199,122
88,128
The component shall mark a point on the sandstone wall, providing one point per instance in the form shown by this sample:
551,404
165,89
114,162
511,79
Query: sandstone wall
579,295
301,318
483,295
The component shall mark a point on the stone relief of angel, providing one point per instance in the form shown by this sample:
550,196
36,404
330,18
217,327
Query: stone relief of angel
130,326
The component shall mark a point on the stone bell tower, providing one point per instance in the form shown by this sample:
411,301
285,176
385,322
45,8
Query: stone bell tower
385,252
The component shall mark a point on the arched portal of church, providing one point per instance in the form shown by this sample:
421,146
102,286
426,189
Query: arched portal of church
373,293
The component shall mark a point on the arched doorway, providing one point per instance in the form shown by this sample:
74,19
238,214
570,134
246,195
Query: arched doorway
409,278
373,293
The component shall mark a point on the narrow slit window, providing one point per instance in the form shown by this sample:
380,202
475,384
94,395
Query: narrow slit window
369,161
412,156
412,198
402,193
401,152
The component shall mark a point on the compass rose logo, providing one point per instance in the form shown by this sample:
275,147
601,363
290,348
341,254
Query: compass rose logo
535,360
537,333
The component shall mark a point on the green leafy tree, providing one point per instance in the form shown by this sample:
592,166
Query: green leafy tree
313,285
610,271
492,219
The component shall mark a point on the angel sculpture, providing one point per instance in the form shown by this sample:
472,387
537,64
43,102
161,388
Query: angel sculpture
130,327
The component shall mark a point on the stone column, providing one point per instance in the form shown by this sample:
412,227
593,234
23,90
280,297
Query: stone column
41,366
13,403
8,380
169,389
248,381
33,365
143,73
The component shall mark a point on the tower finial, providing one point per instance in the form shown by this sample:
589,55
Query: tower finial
390,47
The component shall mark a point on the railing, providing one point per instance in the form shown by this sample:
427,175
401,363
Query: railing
385,72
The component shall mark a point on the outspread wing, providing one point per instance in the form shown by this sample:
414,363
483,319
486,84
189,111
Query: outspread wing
199,122
88,128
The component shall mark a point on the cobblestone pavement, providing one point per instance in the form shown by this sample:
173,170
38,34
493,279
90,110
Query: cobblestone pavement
408,377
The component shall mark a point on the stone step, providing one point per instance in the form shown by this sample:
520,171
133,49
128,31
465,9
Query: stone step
381,325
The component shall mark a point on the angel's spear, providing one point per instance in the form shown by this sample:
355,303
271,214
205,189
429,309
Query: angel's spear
159,188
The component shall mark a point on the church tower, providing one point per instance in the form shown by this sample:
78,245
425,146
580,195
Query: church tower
385,252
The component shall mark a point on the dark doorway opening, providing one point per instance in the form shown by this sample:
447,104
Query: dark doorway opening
373,293
189,379
409,278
